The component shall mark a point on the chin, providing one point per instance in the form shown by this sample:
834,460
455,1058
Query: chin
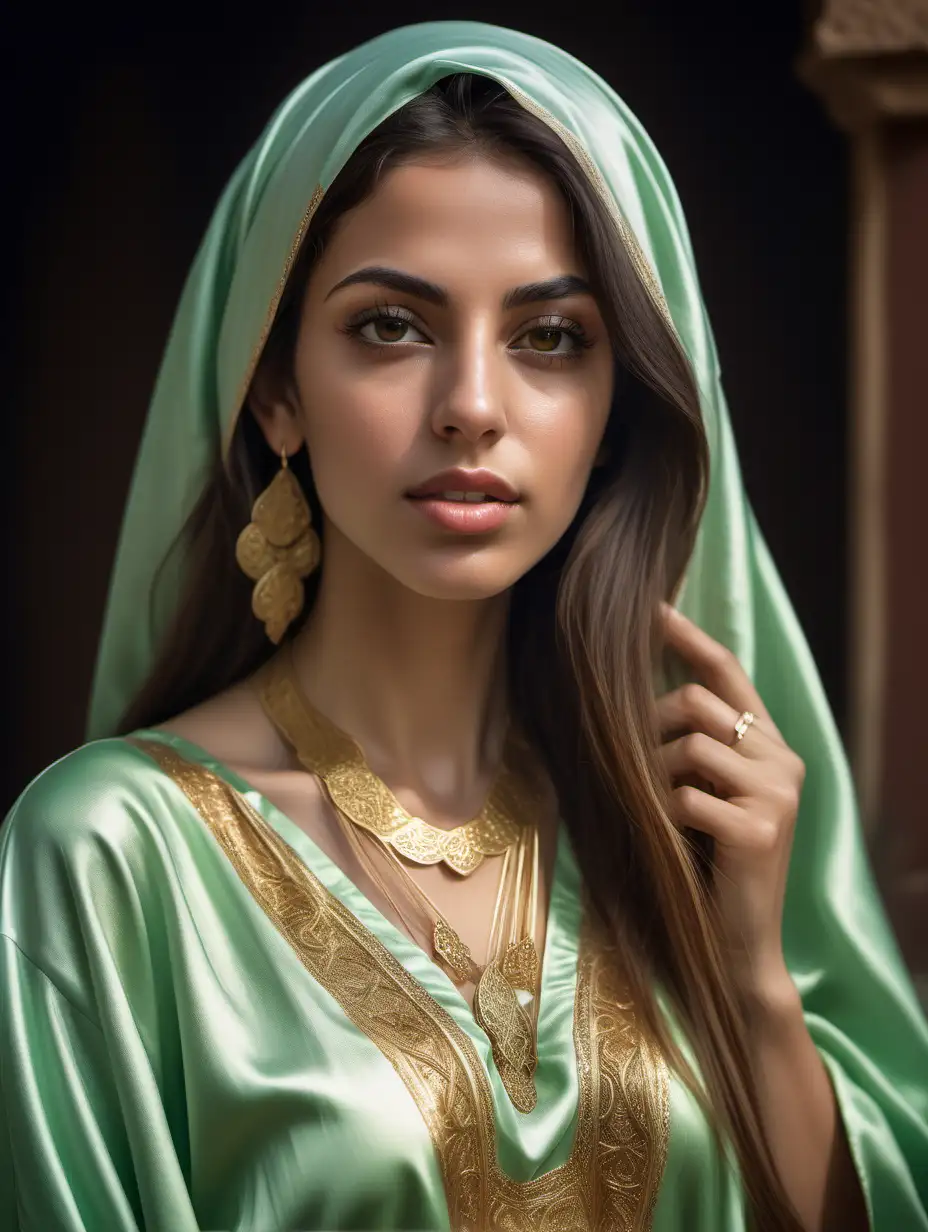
471,577
461,592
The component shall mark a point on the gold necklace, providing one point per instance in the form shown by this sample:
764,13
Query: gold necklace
325,750
509,1026
512,962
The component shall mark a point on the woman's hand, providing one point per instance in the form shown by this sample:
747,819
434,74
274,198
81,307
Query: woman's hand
744,793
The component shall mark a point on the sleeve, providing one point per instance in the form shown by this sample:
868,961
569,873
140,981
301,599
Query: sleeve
91,1130
860,1005
69,1162
859,1002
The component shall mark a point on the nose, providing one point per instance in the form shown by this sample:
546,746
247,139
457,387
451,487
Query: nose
469,402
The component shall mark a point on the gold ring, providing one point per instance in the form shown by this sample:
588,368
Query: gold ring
744,722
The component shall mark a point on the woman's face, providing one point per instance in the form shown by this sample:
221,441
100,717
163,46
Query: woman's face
448,327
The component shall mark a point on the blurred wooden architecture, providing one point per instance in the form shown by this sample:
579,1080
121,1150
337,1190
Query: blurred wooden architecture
868,62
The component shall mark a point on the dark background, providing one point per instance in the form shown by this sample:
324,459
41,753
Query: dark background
122,131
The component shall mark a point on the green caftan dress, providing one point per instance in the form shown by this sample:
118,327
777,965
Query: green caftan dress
206,1025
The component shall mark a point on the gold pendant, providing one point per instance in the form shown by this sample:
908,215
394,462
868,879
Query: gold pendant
511,1035
507,1024
453,952
520,965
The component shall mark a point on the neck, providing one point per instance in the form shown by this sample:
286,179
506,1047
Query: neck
418,682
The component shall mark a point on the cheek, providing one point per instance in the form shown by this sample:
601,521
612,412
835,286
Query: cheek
359,425
355,452
564,446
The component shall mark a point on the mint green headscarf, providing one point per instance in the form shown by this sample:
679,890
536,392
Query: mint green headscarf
859,1003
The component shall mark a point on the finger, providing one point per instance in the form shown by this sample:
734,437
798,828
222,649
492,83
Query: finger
715,664
726,823
699,755
694,708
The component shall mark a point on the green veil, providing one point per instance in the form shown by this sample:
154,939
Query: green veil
860,1005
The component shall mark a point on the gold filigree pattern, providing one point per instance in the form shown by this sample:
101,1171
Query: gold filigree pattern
520,965
611,1179
512,1034
366,800
454,953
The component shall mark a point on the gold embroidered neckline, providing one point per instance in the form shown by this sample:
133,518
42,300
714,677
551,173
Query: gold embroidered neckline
612,1176
506,825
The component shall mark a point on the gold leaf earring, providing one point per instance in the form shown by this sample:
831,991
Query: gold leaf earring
278,548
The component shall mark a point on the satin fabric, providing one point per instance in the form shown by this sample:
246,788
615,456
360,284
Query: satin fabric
168,1064
120,921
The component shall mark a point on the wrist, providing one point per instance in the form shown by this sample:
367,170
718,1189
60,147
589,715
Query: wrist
769,997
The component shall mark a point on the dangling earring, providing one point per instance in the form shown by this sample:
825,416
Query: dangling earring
278,548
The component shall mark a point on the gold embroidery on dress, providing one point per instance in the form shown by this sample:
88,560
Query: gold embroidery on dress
611,1179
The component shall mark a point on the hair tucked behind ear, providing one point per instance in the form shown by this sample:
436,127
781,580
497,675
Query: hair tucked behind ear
583,636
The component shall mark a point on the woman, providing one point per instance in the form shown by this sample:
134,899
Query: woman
438,407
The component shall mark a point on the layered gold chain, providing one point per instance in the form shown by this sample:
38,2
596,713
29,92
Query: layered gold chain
504,827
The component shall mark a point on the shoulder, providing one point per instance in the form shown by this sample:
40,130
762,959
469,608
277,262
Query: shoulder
91,788
87,855
232,728
91,785
107,787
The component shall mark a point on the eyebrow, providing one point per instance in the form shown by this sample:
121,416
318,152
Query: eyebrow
559,287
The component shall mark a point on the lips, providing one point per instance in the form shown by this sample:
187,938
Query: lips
451,499
464,517
493,486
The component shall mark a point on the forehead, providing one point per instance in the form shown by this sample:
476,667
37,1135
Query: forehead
505,221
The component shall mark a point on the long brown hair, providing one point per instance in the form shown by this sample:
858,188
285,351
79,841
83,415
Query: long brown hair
583,632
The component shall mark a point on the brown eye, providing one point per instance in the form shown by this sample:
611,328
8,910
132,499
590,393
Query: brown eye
556,338
385,329
389,329
545,339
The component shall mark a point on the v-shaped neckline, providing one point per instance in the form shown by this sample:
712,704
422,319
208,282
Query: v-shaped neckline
562,938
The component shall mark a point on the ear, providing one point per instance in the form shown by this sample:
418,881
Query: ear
277,410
